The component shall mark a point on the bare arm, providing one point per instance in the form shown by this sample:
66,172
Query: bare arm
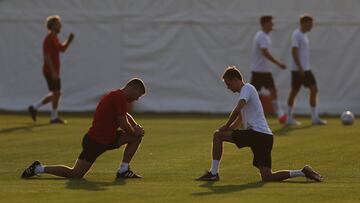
267,55
233,116
126,126
67,42
295,55
131,120
234,125
50,64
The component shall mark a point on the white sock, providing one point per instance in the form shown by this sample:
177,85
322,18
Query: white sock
290,113
123,167
214,167
296,173
38,105
39,169
54,114
277,108
314,113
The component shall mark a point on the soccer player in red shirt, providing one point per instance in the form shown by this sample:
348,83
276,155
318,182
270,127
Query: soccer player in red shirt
51,68
112,127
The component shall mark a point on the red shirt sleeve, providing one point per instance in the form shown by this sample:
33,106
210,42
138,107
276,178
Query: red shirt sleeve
48,46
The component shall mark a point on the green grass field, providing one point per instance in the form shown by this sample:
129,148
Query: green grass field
175,150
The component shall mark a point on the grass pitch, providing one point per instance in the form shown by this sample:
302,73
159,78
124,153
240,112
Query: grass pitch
174,151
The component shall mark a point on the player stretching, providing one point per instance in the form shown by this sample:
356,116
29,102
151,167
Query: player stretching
300,71
256,134
111,114
260,69
51,68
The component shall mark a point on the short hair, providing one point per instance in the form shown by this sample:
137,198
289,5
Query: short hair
136,83
306,18
265,19
232,72
50,21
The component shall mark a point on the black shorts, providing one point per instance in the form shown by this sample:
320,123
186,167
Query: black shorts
260,79
92,150
53,85
260,144
297,81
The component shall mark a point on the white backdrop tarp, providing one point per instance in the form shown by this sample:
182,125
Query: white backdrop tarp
179,49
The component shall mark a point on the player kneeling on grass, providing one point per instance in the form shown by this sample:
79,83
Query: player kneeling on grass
110,115
257,134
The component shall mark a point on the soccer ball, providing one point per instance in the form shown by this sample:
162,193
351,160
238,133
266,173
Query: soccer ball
347,118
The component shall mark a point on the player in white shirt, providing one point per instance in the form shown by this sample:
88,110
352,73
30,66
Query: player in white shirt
301,74
256,133
261,75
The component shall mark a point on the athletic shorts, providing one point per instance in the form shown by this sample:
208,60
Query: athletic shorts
92,150
260,79
297,81
260,144
53,85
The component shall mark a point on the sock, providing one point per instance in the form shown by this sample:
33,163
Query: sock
290,113
277,108
123,167
54,114
37,105
39,169
296,173
214,167
314,113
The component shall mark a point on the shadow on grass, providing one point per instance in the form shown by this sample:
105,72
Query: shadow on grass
221,189
285,129
83,184
27,127
298,181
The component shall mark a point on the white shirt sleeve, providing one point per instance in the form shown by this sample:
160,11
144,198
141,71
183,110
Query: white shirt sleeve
263,42
295,40
245,93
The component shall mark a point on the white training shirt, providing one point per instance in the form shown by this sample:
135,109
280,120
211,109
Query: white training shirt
259,63
252,112
300,40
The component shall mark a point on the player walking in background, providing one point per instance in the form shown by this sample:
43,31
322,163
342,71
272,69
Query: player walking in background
51,68
256,134
300,71
111,114
261,75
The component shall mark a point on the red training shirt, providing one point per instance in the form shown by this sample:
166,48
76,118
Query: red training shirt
105,122
52,46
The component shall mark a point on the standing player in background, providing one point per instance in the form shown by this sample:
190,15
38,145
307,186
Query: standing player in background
260,67
301,74
111,114
255,134
51,68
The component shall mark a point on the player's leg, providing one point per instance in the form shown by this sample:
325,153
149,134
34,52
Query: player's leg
269,84
217,145
132,144
267,174
296,82
310,82
46,99
80,168
276,105
217,149
87,157
55,102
